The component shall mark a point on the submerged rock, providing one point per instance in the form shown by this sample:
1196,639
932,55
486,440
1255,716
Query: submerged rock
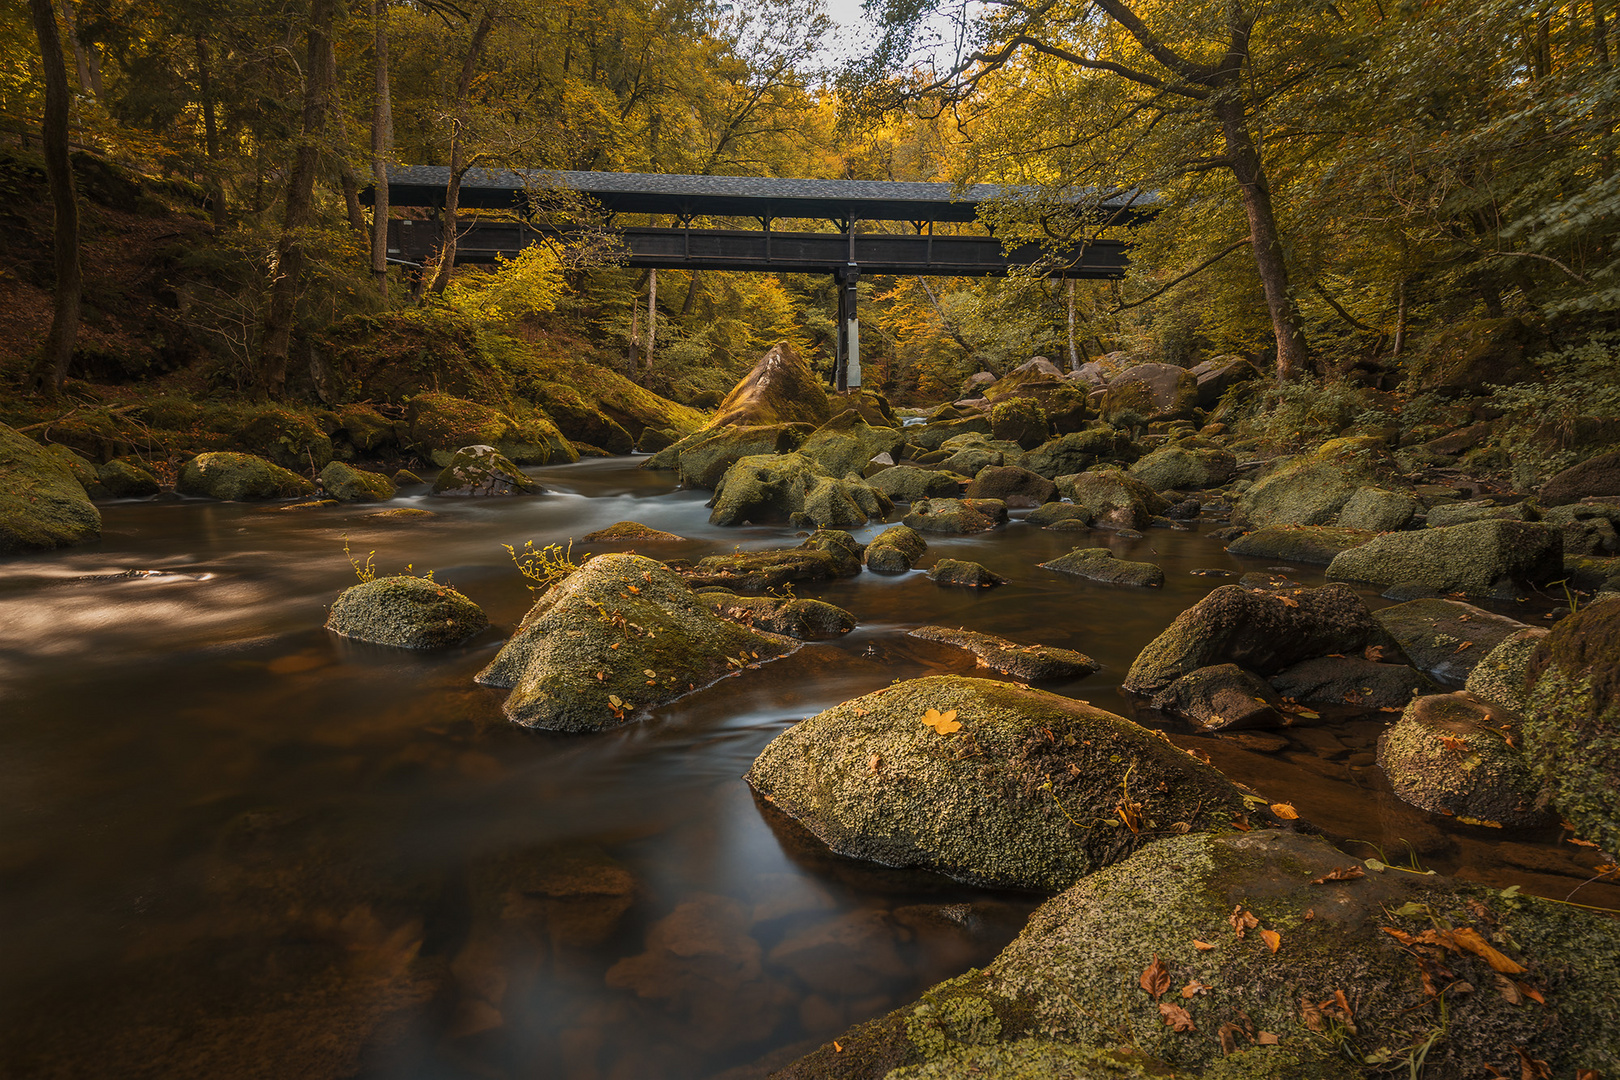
483,470
1455,755
1222,697
1029,662
239,478
1255,1010
895,550
1352,680
42,505
405,612
624,531
1026,793
800,619
961,573
827,554
1316,544
1482,558
620,634
1099,564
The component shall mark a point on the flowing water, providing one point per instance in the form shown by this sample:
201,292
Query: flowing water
233,845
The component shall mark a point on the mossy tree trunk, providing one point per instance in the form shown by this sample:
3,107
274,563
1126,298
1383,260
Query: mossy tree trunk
382,144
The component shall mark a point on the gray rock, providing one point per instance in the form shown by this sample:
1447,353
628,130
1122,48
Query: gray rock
1378,510
1314,544
1461,513
1352,680
1099,564
1222,697
1446,638
1482,558
1031,662
405,612
1453,754
907,483
1115,498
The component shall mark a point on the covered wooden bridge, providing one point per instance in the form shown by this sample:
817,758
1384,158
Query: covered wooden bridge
845,251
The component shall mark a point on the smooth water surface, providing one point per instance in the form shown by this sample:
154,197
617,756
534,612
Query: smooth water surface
234,845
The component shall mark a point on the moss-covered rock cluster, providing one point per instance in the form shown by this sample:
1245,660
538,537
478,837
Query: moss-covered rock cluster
42,504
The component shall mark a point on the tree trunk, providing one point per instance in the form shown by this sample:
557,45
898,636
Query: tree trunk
80,60
458,151
290,255
692,292
652,319
50,370
382,144
205,90
1292,358
1074,346
635,334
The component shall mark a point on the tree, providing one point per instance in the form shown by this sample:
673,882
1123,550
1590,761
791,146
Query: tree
52,367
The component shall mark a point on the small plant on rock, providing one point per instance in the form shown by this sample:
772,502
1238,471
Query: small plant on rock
544,567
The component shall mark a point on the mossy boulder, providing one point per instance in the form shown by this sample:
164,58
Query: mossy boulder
42,504
844,444
1572,723
621,634
932,435
483,470
1482,558
1020,420
1315,544
1012,485
438,425
1455,755
1302,492
703,457
1461,513
630,532
1155,391
1025,794
392,355
1069,515
239,478
347,484
895,549
1100,564
1589,528
293,440
1184,468
792,488
1029,662
83,470
956,515
970,459
125,479
1446,638
593,404
405,612
827,554
1502,676
1115,498
1595,476
365,429
1352,680
1263,630
781,389
1074,977
908,483
1378,510
1466,356
800,619
1077,451
963,574
1222,697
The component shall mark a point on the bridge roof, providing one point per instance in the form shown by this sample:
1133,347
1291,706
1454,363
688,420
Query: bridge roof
724,196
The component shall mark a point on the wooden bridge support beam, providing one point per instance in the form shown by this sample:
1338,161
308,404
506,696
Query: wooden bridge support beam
847,366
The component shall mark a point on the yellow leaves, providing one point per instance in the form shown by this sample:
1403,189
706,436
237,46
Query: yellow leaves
1272,939
1202,946
1285,811
601,676
1195,988
1342,873
942,723
1156,978
634,588
1175,1017
838,1047
1242,921
1453,743
1468,938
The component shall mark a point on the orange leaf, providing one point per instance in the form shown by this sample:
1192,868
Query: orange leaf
1194,988
1242,921
1202,946
1285,811
1267,1039
1468,938
943,723
1343,873
1156,977
1531,1068
1176,1017
838,1047
1272,939
1452,742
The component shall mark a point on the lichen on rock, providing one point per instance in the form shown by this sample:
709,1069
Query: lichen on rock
42,505
1100,564
1481,558
1030,662
1455,755
239,478
405,612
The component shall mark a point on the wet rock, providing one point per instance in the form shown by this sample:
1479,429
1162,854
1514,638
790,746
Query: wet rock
825,555
1222,697
1314,544
437,424
873,781
483,471
1483,558
1453,754
960,573
800,619
1115,498
42,505
844,444
626,531
1446,638
1593,477
1263,630
703,457
780,389
1502,676
1572,724
1352,680
895,550
1219,374
1378,510
1156,391
1072,977
620,634
1099,564
956,515
126,479
1467,355
405,612
346,484
1076,452
1020,420
1012,485
932,435
401,514
853,954
794,489
908,483
1184,468
406,478
1031,662
239,478
1050,514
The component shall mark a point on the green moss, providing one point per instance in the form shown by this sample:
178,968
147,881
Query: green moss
406,612
1020,420
1114,497
437,425
1316,544
346,484
844,444
956,515
126,479
1377,510
287,437
1024,661
1502,676
795,489
1481,778
42,505
1181,467
1482,558
480,470
238,478
704,457
780,389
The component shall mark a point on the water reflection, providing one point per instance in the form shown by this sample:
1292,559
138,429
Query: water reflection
233,845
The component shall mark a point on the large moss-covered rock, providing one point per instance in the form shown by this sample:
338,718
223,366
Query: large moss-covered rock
483,470
1061,515
239,478
956,515
619,635
703,457
932,435
1020,420
83,470
1219,374
827,554
1315,488
1455,755
1502,676
1154,391
42,504
1446,638
1593,477
895,549
622,532
126,479
1184,468
1115,498
1482,558
995,802
438,425
1030,662
405,612
781,389
1572,723
1076,452
1352,680
908,483
844,444
596,405
366,429
1465,357
1012,485
1378,510
347,484
1100,564
288,438
1316,544
801,619
1074,978
1222,697
1262,630
792,488
1478,510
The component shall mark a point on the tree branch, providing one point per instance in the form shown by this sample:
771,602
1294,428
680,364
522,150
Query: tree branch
1201,267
